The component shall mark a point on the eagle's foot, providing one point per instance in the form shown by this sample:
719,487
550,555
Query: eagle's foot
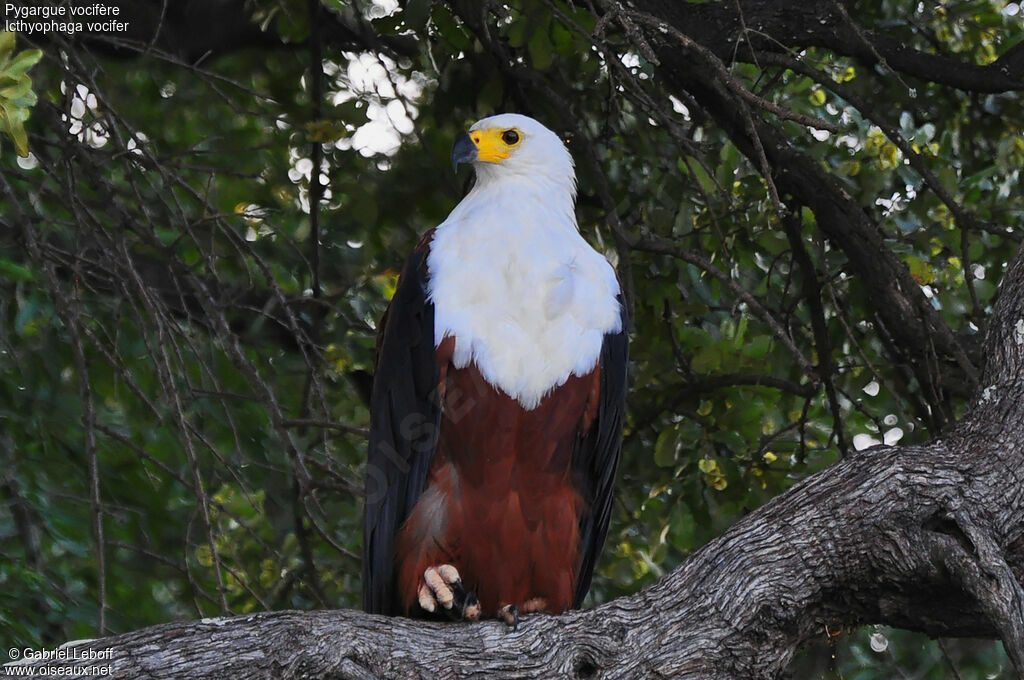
534,604
442,588
510,615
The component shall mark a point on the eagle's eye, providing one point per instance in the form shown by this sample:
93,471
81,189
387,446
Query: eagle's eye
510,137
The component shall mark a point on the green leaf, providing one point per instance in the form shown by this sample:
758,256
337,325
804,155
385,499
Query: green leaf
921,271
741,333
14,271
516,33
666,446
540,49
681,532
23,88
21,64
416,14
707,359
16,99
449,29
561,37
706,182
20,138
758,347
7,40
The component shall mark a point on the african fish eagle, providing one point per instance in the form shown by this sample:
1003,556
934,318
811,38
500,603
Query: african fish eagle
496,415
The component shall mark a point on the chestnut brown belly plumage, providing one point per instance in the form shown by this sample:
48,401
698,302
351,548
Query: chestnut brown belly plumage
501,501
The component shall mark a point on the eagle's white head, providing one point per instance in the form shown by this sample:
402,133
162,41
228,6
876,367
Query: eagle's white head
526,298
511,145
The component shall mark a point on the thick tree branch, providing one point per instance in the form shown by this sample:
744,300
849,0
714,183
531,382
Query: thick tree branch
848,546
746,29
983,573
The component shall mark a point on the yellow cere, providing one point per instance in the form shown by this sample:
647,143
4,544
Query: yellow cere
495,144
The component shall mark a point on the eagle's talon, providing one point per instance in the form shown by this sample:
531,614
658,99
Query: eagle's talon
426,599
465,606
471,607
442,586
510,615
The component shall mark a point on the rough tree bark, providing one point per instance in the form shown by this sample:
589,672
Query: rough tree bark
929,538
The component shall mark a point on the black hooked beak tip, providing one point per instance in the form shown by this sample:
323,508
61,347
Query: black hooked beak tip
463,151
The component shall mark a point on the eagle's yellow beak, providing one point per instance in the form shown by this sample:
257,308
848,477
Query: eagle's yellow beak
492,145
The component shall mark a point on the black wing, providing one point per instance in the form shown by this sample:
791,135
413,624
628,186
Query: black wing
404,421
596,457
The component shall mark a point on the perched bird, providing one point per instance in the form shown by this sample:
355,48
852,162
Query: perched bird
497,406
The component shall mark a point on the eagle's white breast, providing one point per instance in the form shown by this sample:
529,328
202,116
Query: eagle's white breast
524,295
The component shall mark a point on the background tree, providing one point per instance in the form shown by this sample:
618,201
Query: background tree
809,206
